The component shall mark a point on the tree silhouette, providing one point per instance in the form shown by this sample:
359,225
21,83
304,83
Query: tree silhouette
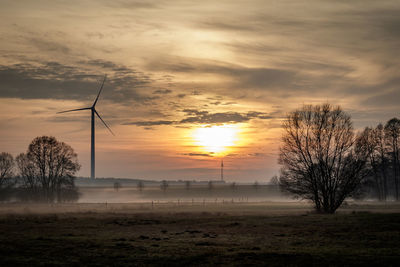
256,185
117,186
392,134
6,169
233,186
210,185
140,186
187,185
274,180
377,161
164,185
322,159
7,179
48,169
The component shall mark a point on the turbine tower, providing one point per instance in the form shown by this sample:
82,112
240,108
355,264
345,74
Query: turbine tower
222,170
92,143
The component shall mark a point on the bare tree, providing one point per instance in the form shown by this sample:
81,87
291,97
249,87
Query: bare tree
117,186
392,134
210,185
6,169
322,159
164,185
28,174
233,186
382,156
377,161
48,167
187,184
274,180
256,185
140,186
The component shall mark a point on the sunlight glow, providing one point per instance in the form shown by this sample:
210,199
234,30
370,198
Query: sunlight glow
216,139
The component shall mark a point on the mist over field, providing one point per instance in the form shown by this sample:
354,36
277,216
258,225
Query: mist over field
196,193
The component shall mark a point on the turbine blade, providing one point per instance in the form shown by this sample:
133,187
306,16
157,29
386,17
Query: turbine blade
72,110
101,88
103,122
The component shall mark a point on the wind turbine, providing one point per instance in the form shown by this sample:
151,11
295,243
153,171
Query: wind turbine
93,110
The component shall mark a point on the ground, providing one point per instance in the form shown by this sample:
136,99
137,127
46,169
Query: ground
198,234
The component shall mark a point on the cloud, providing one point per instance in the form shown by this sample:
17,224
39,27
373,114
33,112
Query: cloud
103,64
194,112
244,77
52,80
193,116
48,45
149,123
259,115
257,154
199,154
388,98
228,25
131,5
199,116
216,118
162,92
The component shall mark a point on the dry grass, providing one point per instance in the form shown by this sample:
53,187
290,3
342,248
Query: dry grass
200,235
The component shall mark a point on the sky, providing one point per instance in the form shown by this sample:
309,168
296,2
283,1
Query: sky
190,83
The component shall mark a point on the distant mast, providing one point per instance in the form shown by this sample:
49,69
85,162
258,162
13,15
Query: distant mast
222,170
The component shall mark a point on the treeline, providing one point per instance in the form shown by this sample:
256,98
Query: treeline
45,173
383,161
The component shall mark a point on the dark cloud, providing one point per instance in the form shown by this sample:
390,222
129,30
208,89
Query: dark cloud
195,112
101,63
49,45
196,92
52,80
388,98
226,25
243,77
162,92
384,21
194,116
132,5
198,116
199,154
149,123
259,115
83,117
217,97
216,118
229,103
32,82
98,35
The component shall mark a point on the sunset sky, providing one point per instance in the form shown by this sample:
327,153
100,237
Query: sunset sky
190,82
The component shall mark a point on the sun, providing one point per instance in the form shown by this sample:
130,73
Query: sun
216,139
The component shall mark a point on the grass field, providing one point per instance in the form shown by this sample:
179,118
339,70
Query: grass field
167,234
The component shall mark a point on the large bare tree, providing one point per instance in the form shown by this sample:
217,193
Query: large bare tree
6,169
322,159
392,134
48,167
